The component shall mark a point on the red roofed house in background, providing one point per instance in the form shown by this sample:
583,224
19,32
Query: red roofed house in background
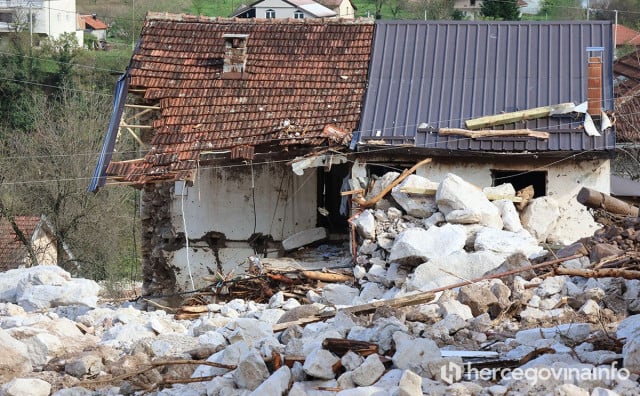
625,36
221,109
36,232
91,24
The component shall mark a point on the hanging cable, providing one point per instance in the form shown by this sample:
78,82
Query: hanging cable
186,235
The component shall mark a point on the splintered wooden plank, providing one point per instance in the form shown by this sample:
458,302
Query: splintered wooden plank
515,116
493,133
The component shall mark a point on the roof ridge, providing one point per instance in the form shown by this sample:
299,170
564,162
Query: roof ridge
165,16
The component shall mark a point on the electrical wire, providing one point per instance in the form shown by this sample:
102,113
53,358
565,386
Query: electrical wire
186,235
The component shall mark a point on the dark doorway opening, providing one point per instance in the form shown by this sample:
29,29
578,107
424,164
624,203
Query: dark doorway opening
330,202
522,179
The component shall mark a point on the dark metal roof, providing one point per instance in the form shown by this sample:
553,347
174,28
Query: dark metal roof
442,73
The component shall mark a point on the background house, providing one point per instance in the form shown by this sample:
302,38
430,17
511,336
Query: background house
343,8
50,18
94,26
37,231
297,9
225,112
625,36
426,76
470,9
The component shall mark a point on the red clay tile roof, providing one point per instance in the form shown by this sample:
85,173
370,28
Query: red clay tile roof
12,250
625,36
626,71
300,75
93,23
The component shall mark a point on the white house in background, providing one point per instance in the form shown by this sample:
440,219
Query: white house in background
297,9
471,8
49,18
344,8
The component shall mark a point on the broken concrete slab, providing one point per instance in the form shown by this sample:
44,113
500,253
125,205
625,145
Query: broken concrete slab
506,243
304,238
365,225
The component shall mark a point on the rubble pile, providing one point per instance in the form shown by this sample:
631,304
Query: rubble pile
451,294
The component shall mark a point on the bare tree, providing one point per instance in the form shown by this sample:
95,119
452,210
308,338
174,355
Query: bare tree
47,171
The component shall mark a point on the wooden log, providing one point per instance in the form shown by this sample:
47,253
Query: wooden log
599,200
599,273
326,276
493,133
515,116
399,302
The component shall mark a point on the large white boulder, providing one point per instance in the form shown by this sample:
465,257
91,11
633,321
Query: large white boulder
455,194
509,215
444,271
15,358
505,243
417,245
575,222
420,206
366,224
38,275
540,217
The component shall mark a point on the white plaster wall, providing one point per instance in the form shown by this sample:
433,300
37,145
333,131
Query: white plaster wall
55,18
346,10
282,9
221,200
564,181
44,248
564,178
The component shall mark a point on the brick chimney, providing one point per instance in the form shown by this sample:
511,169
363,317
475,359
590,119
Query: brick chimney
235,55
594,86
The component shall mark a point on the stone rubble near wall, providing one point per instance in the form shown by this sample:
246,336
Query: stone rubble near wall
54,345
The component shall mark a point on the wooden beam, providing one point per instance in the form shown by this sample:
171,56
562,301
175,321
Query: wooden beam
599,200
136,126
136,137
366,204
135,106
493,133
508,118
136,115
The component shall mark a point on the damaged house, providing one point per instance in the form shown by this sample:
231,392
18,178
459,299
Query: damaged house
250,129
220,106
511,102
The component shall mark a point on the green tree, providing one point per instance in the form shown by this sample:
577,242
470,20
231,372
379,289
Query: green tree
433,9
506,10
562,10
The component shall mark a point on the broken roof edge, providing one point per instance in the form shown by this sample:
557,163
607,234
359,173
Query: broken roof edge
164,16
396,151
99,178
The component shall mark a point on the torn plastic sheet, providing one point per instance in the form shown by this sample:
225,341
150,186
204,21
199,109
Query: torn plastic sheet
326,160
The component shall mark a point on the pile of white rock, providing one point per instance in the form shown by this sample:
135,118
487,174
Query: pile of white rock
545,335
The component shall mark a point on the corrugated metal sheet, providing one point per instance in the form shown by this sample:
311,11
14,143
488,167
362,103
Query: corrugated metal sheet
99,174
443,73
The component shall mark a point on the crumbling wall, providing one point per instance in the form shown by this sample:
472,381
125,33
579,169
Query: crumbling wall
158,235
231,213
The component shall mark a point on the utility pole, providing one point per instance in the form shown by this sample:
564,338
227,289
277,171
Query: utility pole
133,24
587,10
30,25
